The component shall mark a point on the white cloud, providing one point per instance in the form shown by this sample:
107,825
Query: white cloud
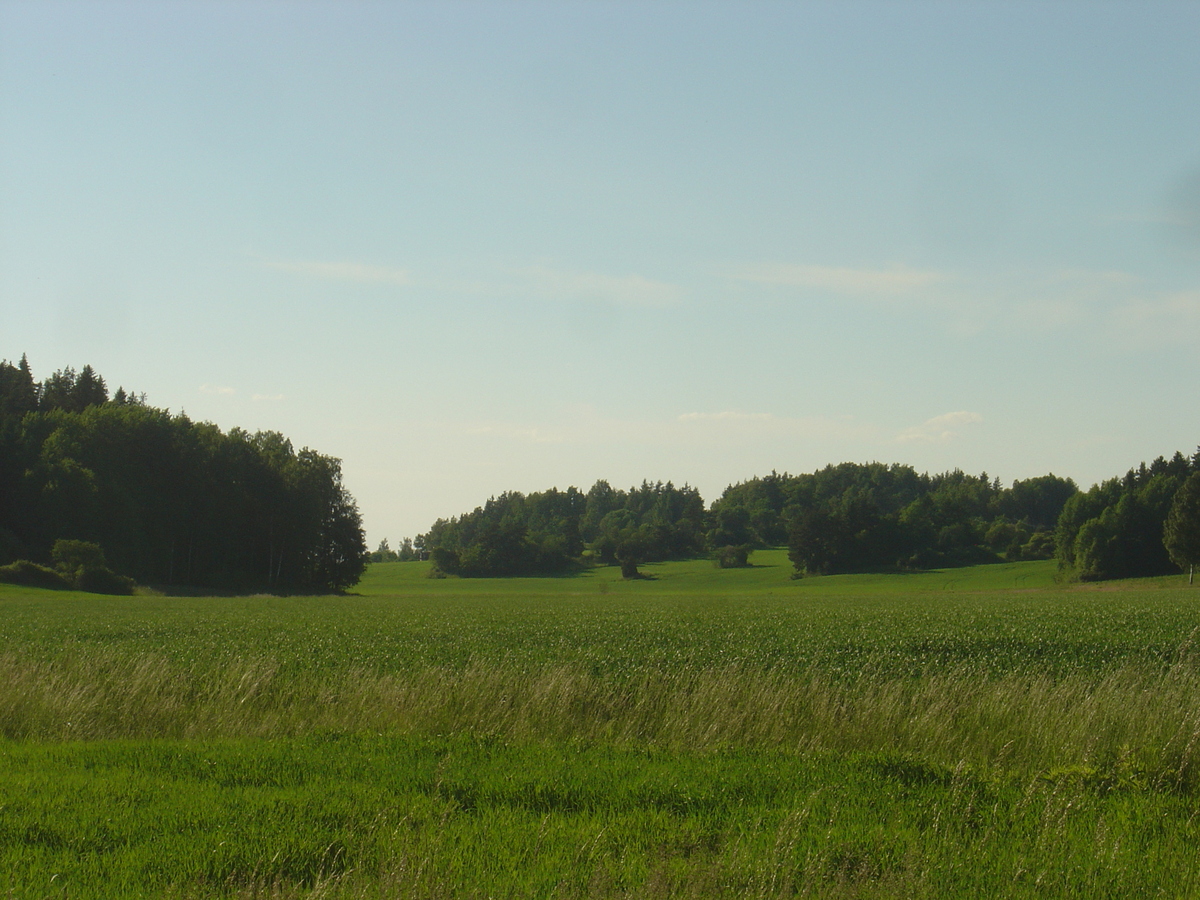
271,398
213,389
1117,307
1089,278
1169,319
524,434
626,290
727,416
939,429
896,280
342,271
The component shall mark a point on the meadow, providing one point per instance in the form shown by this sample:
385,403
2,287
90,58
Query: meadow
704,732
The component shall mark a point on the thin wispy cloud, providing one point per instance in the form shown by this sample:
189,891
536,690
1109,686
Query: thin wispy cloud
1039,302
268,398
625,290
1167,319
726,416
1120,308
939,429
215,389
1090,279
519,433
1114,304
361,273
896,280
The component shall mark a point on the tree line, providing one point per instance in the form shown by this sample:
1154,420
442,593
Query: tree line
857,517
851,517
1146,523
548,532
170,501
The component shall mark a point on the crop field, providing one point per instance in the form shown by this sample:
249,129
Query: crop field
701,733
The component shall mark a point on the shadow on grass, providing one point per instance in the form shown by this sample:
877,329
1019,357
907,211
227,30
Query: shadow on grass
192,590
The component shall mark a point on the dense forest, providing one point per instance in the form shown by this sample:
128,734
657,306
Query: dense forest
170,501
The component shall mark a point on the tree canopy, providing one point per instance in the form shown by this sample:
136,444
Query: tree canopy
845,518
548,532
1115,530
855,517
170,501
1181,531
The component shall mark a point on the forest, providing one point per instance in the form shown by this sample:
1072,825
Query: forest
845,518
108,488
548,532
165,500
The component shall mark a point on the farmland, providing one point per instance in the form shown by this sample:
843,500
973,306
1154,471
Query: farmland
703,732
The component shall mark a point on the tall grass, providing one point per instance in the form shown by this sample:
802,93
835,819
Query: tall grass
701,735
1135,718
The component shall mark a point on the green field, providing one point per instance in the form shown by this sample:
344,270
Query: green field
703,733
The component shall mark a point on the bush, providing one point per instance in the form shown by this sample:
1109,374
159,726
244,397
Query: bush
83,566
734,556
28,574
103,580
445,562
70,558
1039,546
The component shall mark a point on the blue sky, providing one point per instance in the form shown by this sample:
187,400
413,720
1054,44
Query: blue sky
486,246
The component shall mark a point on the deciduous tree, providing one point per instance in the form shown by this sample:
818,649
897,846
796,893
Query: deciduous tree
1181,533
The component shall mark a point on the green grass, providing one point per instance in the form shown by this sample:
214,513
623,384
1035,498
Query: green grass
357,815
770,570
707,732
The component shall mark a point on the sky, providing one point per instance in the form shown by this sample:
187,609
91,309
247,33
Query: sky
488,246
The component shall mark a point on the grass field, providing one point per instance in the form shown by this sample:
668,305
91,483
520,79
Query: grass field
704,733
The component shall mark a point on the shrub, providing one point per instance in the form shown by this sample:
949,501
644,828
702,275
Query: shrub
445,562
29,574
70,558
103,580
734,556
82,564
629,568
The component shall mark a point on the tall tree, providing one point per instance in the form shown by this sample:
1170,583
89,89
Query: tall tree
170,501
